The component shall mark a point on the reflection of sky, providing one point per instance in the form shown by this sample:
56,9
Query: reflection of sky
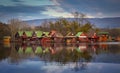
29,66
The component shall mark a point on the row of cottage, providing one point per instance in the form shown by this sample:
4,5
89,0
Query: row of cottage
54,36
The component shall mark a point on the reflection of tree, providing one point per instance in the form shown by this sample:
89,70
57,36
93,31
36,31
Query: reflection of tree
100,48
86,55
65,55
114,49
59,54
80,66
62,54
14,57
4,52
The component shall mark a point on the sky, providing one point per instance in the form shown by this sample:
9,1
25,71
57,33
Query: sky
44,9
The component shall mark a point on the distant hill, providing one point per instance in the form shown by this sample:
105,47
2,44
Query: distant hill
98,22
106,22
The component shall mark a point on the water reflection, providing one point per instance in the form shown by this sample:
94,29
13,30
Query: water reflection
4,52
62,53
55,52
76,56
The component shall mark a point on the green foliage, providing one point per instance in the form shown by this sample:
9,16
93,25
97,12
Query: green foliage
86,27
4,30
114,32
65,26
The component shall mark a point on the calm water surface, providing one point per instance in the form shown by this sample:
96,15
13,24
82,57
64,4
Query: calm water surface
60,58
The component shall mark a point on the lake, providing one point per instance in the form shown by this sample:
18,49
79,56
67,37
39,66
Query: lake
60,58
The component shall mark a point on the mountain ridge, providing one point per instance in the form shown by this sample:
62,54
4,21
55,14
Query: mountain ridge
112,22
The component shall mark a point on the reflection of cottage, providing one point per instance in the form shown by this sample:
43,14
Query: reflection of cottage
81,37
38,50
56,53
82,47
29,50
103,36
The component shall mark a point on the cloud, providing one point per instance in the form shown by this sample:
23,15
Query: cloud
106,7
26,2
57,12
114,1
36,2
21,12
32,9
90,16
55,2
16,1
7,3
99,14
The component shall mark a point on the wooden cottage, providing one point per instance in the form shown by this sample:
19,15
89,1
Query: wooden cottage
39,34
29,34
55,36
81,37
36,35
118,38
45,38
23,35
103,36
18,35
70,38
92,36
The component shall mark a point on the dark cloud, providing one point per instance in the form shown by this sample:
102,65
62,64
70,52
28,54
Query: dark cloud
109,7
100,7
21,9
17,1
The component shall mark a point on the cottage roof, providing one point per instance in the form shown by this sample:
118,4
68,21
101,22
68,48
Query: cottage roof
78,34
102,33
59,35
70,34
55,33
46,33
20,33
29,33
39,33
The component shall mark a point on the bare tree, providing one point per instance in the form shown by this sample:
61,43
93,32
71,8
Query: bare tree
16,25
79,17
